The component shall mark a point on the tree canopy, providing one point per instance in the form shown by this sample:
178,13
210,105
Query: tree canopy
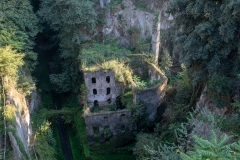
72,20
208,36
9,61
18,28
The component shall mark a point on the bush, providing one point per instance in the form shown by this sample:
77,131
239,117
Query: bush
219,88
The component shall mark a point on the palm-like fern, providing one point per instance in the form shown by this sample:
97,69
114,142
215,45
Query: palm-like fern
217,148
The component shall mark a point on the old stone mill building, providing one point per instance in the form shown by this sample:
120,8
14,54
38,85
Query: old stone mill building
111,89
102,88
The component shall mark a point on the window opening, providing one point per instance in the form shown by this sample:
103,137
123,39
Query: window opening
108,79
95,106
95,130
122,116
94,91
123,128
105,117
108,91
109,101
93,80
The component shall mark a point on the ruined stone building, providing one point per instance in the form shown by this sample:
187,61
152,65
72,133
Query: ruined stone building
102,88
110,84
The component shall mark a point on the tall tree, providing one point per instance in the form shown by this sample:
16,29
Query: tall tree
73,20
18,28
9,61
208,36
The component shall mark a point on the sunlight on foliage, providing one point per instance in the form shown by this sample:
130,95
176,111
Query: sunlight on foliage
9,113
10,60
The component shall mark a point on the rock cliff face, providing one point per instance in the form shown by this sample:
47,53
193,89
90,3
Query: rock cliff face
23,130
135,22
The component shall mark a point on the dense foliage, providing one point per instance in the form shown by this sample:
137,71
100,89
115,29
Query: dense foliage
18,28
208,38
72,20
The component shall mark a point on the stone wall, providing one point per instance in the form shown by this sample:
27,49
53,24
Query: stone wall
102,127
152,97
102,87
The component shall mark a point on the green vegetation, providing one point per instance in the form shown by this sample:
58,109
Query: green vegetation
10,61
205,35
97,54
18,29
216,148
106,57
44,142
142,84
71,25
143,5
114,3
208,43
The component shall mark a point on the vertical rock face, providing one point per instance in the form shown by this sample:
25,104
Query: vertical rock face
132,21
22,118
103,3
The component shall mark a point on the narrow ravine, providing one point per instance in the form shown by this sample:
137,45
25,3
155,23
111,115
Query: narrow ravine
65,144
45,55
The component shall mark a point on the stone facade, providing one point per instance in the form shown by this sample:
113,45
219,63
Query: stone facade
103,126
152,97
102,88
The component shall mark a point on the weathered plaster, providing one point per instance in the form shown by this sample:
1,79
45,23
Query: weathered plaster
101,86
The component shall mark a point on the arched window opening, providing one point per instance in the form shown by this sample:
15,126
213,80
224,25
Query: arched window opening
109,101
94,91
108,79
95,106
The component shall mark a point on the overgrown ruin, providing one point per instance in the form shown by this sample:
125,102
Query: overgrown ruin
112,87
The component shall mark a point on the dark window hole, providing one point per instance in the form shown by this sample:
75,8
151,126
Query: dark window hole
94,91
105,117
93,80
95,130
108,91
108,79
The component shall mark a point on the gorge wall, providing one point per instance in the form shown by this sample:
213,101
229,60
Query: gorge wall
20,133
134,23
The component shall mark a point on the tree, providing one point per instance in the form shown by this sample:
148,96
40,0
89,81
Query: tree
207,36
9,61
73,20
18,28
